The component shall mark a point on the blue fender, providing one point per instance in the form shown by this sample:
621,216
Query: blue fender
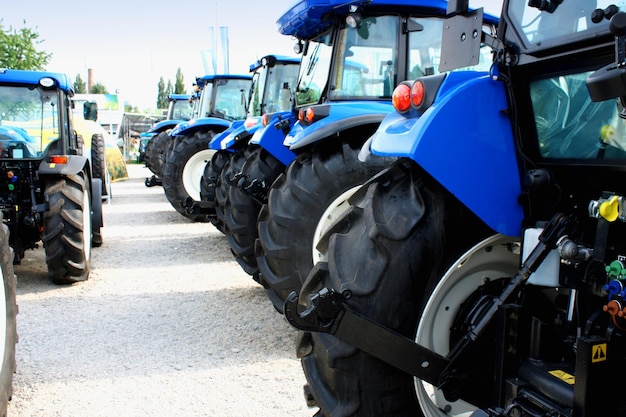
465,141
271,137
205,123
217,139
342,116
164,125
242,133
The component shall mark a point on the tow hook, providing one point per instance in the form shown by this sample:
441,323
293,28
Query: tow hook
152,181
323,312
328,313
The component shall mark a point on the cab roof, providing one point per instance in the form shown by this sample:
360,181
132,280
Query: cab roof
11,76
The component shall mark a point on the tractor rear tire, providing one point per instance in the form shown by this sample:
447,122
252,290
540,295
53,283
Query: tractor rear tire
184,166
301,204
8,328
98,162
209,182
240,215
397,238
68,228
156,151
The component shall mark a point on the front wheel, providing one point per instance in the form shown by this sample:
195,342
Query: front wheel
397,238
67,228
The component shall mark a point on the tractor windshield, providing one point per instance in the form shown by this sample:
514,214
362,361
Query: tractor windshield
550,23
271,89
314,70
29,121
180,110
366,59
231,98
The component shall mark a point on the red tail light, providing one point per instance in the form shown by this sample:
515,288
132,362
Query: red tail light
401,98
417,93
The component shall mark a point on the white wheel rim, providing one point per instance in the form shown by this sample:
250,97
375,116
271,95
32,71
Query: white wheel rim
490,258
193,171
336,208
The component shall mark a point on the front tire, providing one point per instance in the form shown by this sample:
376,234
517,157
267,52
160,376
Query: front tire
183,169
67,228
397,237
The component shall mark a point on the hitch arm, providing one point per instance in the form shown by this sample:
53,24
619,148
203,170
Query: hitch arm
327,313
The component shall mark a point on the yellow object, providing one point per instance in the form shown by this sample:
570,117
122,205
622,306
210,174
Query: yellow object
114,158
609,210
607,132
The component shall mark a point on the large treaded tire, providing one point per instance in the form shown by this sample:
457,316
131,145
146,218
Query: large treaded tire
156,152
68,228
8,327
394,240
228,178
297,201
99,163
240,216
209,182
184,166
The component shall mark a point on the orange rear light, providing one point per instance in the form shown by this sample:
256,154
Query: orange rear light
310,114
300,115
417,93
401,98
265,119
58,159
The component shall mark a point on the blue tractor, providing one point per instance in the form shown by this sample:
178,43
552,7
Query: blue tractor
223,100
180,109
273,78
483,273
353,55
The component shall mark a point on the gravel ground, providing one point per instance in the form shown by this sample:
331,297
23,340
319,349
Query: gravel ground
167,325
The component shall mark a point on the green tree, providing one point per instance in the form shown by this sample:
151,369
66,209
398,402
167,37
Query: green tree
18,49
80,87
169,89
98,88
179,86
161,96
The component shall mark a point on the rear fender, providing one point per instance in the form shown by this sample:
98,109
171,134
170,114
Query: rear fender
342,116
240,136
164,125
192,126
272,136
217,139
465,141
75,164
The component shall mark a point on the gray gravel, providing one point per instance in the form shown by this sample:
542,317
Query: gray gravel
167,325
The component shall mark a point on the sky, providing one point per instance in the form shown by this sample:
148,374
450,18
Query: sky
129,45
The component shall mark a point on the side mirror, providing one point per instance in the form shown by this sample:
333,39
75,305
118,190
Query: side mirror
90,110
